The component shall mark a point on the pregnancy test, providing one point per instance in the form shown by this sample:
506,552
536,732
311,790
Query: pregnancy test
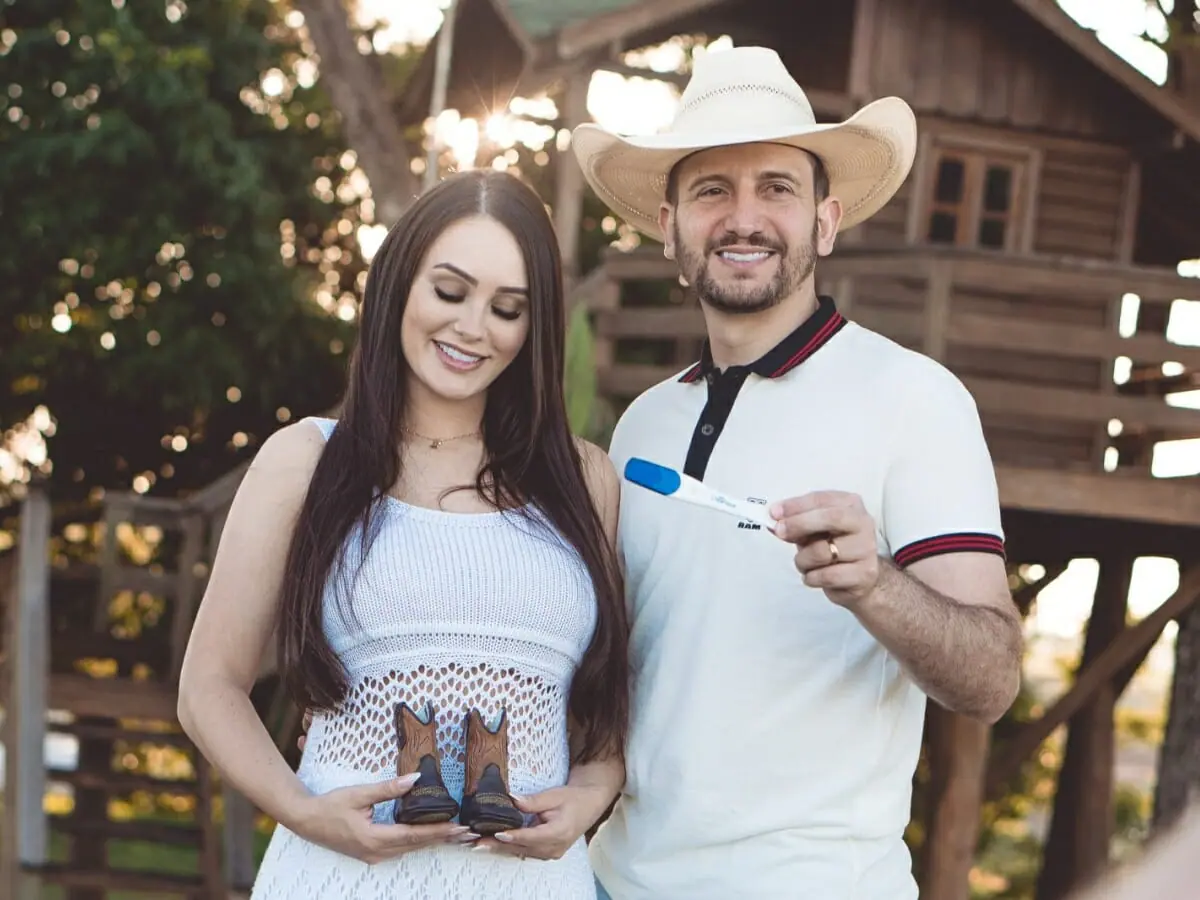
678,486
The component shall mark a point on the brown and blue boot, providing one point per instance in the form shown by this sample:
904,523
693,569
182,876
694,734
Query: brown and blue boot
428,800
487,806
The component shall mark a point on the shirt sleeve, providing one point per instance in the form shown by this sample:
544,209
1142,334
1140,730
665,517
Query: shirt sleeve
940,494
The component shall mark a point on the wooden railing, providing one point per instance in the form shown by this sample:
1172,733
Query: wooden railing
1035,340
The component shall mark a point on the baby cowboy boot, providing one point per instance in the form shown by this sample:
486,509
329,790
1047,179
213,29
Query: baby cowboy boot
428,800
487,806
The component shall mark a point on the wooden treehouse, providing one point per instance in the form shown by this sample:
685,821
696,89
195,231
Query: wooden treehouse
1053,184
1034,250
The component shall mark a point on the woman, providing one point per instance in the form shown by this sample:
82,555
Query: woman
439,568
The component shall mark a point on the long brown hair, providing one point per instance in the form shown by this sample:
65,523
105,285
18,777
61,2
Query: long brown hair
531,457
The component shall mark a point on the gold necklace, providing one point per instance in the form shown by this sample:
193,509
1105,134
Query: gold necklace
434,443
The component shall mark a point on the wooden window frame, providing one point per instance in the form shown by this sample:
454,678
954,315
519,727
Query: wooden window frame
976,153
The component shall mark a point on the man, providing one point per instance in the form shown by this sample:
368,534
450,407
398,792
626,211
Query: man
781,679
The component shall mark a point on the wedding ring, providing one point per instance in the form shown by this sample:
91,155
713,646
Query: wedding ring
833,550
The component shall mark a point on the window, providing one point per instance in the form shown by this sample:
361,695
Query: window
974,199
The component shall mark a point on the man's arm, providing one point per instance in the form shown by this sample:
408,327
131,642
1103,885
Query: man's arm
951,623
949,619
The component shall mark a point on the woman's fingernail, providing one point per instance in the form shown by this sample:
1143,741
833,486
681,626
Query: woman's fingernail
408,780
501,836
481,848
464,838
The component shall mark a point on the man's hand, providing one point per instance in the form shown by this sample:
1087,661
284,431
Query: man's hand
835,543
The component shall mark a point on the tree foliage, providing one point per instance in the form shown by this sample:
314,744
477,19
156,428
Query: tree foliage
168,212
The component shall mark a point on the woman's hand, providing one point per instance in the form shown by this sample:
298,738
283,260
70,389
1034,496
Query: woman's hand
341,821
564,816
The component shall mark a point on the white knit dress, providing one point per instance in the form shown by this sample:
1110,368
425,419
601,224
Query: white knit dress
463,610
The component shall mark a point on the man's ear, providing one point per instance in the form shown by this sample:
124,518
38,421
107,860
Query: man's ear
666,217
829,218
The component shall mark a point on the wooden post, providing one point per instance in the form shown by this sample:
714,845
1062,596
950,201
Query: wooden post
937,308
211,871
25,833
91,807
1178,785
239,841
957,764
569,185
1081,823
443,51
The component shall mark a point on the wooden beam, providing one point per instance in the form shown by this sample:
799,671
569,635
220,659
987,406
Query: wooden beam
1178,783
679,79
958,761
116,698
1034,403
122,880
238,840
569,184
1024,596
1127,235
212,870
1082,819
1086,44
651,322
187,593
862,44
937,309
1134,640
612,27
25,839
1172,501
1069,405
1065,341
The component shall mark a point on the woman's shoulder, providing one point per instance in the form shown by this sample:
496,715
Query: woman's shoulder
289,456
601,475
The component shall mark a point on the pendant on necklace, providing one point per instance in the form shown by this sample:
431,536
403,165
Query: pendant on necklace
435,444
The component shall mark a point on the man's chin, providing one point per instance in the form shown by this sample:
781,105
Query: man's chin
738,304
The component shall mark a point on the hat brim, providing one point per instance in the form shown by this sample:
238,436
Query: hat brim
867,157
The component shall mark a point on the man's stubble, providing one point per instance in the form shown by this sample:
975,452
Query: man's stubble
794,267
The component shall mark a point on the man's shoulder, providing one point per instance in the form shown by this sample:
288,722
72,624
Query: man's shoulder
647,405
897,370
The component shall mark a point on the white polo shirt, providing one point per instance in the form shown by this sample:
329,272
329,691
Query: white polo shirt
773,739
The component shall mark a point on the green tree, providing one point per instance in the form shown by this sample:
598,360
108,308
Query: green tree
174,188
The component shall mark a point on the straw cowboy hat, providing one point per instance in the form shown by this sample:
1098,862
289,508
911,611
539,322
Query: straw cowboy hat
745,95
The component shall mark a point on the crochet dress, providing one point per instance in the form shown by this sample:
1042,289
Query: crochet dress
464,610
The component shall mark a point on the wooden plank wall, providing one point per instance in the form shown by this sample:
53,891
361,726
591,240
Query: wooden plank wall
1082,199
889,226
990,62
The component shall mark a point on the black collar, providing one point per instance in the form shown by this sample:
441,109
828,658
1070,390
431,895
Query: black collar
813,334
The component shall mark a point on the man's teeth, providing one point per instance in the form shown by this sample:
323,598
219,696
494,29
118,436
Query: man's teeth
744,257
458,355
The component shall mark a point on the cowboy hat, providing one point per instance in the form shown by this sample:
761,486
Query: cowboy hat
745,95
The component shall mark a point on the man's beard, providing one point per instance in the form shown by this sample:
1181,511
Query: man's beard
744,298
